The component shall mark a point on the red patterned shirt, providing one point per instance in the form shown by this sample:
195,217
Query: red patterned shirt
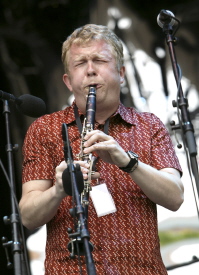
125,242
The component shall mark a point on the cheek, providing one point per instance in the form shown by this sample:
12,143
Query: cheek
116,78
110,72
76,79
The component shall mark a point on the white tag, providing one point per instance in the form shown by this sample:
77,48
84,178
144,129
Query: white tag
102,200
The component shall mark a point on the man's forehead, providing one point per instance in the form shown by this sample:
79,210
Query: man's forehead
91,49
91,43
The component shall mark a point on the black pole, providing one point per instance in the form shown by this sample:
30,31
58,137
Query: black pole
20,267
182,103
73,176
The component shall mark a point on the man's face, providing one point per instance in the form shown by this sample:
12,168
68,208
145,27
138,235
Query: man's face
93,64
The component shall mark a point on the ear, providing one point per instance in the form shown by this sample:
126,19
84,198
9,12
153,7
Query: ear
122,74
66,80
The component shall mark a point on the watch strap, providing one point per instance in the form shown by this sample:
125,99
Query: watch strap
133,163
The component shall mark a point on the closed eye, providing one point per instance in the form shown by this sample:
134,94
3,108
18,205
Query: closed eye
101,60
79,63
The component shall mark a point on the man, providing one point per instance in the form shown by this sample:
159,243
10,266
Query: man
125,240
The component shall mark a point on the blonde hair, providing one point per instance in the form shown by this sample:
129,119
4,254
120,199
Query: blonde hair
89,32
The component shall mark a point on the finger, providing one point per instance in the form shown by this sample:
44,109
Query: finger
95,136
95,176
61,167
84,170
85,176
82,163
101,146
91,133
101,139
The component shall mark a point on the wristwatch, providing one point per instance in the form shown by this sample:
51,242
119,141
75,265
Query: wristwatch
133,164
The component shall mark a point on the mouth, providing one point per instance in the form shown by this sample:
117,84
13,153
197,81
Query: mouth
95,85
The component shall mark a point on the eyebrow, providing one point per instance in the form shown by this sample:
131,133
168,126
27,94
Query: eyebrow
95,55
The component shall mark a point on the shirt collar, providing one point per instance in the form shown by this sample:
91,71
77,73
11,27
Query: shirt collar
69,113
126,113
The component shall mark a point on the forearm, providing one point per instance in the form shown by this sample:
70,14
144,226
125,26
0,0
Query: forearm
160,186
39,207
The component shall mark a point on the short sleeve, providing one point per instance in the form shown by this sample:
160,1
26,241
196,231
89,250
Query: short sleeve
162,149
38,160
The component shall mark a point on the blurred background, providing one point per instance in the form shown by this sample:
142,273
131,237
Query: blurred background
31,36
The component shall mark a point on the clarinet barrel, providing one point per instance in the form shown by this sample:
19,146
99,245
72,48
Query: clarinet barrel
89,120
91,109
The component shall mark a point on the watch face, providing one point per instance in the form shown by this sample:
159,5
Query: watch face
132,154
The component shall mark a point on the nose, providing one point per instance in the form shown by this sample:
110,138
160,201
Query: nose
91,69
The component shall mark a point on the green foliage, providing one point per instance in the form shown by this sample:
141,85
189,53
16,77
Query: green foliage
171,236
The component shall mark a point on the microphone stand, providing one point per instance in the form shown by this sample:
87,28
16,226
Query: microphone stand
183,105
70,177
187,126
19,266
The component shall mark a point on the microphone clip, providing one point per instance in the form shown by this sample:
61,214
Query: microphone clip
166,20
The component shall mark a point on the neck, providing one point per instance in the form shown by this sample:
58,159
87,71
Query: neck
102,116
102,112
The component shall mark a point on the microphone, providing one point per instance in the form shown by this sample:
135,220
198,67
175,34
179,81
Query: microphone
66,179
165,18
29,105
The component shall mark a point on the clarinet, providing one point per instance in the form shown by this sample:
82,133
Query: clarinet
88,126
